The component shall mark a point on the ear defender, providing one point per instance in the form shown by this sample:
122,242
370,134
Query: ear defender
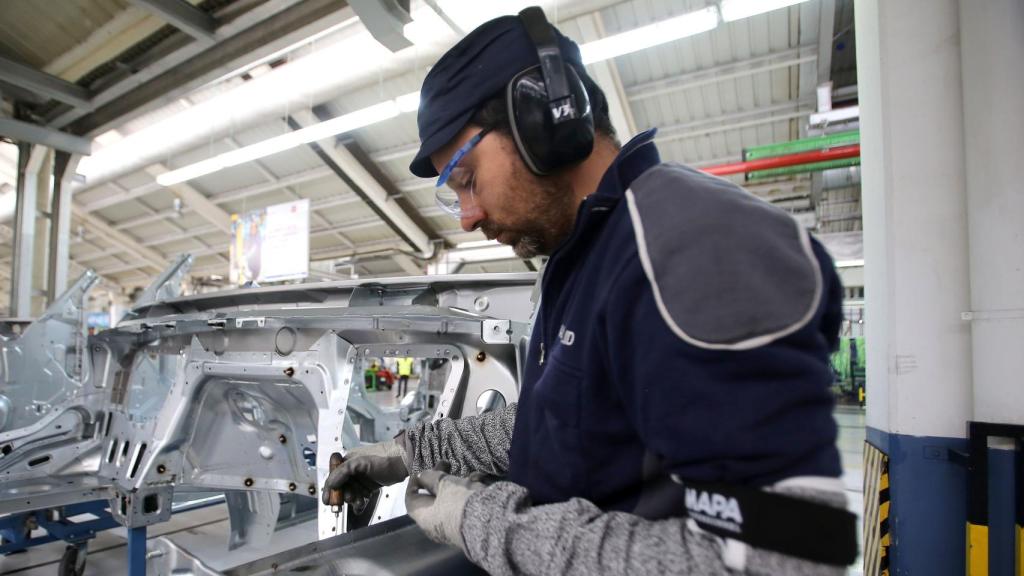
548,108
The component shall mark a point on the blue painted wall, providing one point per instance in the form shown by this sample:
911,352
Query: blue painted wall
928,514
929,503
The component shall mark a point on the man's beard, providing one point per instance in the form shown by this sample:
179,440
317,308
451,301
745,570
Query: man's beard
527,247
549,208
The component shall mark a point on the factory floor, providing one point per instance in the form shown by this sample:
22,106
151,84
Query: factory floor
851,450
204,533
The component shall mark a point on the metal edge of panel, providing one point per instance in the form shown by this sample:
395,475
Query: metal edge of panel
316,550
313,292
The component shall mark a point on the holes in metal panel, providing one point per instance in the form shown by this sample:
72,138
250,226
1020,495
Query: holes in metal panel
137,459
38,461
124,453
112,452
151,504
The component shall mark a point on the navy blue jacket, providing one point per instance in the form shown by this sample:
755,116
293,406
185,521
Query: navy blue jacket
613,393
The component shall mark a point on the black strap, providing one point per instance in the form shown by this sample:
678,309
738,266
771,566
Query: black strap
551,64
767,520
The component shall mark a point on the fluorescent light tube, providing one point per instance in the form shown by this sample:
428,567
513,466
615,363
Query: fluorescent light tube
739,9
634,40
191,171
261,149
326,129
652,35
348,122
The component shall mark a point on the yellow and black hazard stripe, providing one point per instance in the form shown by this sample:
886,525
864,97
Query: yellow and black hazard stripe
883,518
876,512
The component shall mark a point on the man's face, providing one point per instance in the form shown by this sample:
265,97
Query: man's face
509,203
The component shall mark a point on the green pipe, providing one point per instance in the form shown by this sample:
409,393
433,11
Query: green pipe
813,167
805,145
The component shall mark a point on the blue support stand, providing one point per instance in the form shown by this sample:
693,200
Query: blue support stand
137,551
72,524
57,525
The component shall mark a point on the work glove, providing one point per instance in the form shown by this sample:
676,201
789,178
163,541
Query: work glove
365,470
436,500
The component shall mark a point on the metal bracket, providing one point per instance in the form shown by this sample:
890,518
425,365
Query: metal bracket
497,331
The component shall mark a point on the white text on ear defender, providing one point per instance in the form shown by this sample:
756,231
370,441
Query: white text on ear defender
564,111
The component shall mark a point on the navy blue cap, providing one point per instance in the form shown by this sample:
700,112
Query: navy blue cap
475,70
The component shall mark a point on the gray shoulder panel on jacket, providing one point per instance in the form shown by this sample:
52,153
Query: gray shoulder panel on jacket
728,270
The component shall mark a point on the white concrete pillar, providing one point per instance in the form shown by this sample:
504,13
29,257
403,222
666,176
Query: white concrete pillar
915,240
991,48
916,271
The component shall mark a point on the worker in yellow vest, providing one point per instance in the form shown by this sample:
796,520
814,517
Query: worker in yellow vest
404,371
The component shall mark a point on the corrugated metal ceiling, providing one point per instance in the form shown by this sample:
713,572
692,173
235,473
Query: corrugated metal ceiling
748,99
37,32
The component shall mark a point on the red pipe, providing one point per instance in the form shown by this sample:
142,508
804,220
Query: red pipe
838,153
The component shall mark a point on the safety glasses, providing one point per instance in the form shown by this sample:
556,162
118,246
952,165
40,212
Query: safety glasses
454,189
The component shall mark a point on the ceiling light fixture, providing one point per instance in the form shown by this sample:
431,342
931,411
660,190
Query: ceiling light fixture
668,30
319,131
662,32
733,10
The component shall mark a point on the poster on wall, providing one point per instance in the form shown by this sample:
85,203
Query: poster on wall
270,244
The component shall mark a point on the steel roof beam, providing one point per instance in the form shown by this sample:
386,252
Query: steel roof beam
606,74
716,74
270,177
20,131
148,256
229,196
44,84
736,120
395,153
154,216
184,17
348,168
259,32
196,200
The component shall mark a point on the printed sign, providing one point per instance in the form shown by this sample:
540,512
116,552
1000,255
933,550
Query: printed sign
270,244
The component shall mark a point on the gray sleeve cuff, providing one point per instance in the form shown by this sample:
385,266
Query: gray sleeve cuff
470,444
504,534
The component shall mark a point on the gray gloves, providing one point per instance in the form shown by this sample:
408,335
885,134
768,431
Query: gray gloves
366,469
439,511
